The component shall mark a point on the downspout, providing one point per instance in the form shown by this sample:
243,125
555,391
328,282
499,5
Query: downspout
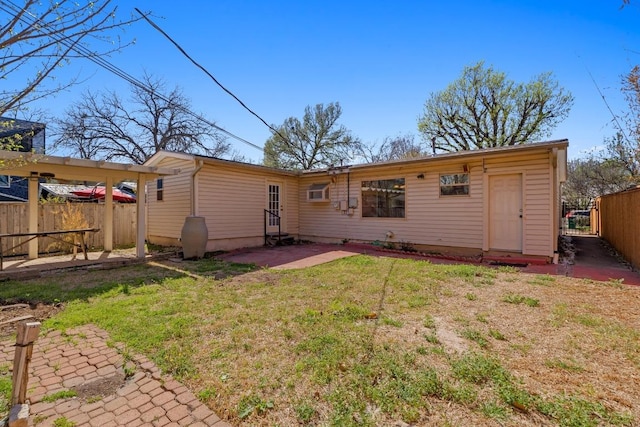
199,166
556,204
348,190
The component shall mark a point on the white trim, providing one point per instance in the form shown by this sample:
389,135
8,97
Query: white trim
322,189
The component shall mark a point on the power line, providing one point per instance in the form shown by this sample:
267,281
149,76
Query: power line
606,103
154,25
11,7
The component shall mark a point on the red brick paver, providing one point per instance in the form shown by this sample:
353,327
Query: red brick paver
81,356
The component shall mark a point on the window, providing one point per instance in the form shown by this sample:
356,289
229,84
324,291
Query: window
160,188
383,198
5,181
318,192
454,185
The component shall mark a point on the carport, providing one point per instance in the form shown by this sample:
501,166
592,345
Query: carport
35,166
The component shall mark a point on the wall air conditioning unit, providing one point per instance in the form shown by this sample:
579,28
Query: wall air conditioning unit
318,192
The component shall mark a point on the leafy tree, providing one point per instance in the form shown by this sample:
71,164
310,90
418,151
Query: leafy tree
315,141
393,148
484,109
38,37
593,177
103,126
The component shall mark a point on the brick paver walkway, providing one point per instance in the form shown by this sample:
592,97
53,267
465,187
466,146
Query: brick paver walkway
81,358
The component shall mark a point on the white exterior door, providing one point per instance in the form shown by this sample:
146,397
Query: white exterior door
505,212
275,207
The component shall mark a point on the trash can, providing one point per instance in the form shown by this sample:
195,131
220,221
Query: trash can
572,223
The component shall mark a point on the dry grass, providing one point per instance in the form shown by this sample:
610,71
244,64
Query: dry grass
380,341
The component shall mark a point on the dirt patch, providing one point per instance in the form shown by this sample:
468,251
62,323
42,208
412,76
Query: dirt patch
448,337
11,314
100,388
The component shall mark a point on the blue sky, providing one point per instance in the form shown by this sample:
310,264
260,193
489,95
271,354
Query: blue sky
379,59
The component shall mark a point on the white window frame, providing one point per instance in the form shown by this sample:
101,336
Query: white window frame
384,191
7,183
455,184
318,192
160,189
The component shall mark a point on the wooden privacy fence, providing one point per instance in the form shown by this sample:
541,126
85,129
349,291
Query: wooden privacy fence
14,218
619,222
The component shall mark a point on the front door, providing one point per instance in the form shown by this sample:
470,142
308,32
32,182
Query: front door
275,207
505,212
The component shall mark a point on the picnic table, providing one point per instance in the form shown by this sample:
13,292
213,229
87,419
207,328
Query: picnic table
56,235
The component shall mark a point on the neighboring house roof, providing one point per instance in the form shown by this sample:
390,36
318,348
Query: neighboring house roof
17,191
10,127
32,133
61,190
9,198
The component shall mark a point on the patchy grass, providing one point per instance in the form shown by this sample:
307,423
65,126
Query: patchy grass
5,388
367,341
62,394
63,422
520,299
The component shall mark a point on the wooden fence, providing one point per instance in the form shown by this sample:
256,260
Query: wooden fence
14,218
619,223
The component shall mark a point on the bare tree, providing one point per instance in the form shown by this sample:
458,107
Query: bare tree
393,148
624,146
38,37
593,177
104,126
483,109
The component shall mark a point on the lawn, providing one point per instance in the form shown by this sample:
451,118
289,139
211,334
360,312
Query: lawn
370,341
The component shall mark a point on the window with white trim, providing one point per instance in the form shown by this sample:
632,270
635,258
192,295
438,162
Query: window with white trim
5,181
456,184
318,192
159,189
383,198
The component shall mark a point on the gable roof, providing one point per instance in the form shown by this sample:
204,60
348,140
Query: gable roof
157,158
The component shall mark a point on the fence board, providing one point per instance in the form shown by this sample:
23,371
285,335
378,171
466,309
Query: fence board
619,223
14,218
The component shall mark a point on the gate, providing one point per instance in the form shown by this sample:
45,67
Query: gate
579,220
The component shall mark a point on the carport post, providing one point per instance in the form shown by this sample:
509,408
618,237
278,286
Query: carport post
108,214
33,214
141,225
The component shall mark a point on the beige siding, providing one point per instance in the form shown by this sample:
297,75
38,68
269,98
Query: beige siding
454,221
165,218
293,205
233,198
429,219
537,180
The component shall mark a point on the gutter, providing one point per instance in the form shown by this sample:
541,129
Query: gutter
199,166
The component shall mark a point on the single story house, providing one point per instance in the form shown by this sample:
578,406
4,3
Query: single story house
499,199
